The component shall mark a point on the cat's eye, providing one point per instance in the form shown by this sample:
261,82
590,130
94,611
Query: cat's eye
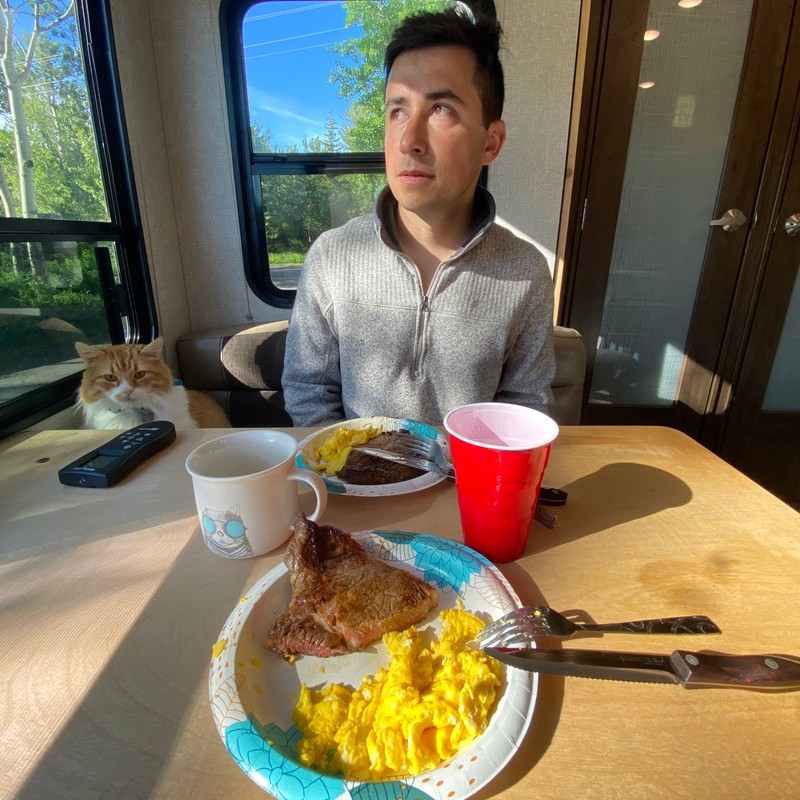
140,374
110,378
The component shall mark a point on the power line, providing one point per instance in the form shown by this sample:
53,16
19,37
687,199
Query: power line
295,50
286,11
292,38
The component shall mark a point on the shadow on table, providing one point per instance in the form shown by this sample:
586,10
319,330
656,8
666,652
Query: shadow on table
611,496
122,737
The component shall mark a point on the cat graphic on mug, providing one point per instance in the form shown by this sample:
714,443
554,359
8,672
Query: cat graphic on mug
225,533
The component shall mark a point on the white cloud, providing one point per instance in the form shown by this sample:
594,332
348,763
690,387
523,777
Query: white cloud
298,122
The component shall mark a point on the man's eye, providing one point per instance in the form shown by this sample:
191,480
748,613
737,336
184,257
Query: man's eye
441,109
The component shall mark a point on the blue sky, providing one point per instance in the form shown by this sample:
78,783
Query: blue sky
287,62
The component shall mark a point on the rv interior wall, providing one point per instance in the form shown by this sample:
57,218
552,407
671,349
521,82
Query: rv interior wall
174,98
527,180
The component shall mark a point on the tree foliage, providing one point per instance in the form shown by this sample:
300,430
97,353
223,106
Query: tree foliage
48,162
48,155
359,74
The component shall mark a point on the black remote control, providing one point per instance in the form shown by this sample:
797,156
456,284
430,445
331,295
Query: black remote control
110,463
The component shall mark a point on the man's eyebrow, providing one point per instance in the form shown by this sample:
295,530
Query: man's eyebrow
439,94
444,94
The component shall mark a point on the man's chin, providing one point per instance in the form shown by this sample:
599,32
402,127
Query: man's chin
415,200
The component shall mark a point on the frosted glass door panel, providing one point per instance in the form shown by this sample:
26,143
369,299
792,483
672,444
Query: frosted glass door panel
688,85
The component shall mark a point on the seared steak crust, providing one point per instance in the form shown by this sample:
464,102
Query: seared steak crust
342,598
367,470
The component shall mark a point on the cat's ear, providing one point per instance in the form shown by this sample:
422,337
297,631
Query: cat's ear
88,352
155,349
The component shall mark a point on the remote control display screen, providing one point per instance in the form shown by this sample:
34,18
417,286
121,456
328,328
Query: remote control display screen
99,462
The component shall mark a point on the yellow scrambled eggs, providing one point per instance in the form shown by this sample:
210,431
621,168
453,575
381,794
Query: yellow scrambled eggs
420,710
336,448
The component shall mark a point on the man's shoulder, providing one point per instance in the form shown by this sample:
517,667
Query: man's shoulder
519,246
355,228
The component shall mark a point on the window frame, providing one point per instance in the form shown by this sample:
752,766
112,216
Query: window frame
133,296
249,166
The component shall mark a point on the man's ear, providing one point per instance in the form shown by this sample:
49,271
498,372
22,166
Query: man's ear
495,137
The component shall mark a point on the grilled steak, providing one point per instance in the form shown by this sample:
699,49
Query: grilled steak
366,470
342,598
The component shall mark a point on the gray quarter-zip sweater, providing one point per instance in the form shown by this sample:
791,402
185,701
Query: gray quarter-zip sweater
364,340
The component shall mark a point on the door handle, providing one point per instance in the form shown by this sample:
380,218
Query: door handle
731,220
792,225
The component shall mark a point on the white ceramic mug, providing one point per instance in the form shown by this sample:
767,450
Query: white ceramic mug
246,492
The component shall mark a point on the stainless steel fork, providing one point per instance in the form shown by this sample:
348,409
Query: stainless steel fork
412,444
531,622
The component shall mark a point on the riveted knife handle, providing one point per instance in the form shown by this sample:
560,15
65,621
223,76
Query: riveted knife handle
743,672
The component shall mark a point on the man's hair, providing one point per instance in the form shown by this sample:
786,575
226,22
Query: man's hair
480,35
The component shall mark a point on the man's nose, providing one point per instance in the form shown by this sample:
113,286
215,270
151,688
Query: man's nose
415,135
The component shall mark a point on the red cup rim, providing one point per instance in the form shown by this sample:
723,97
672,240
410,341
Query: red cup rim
548,436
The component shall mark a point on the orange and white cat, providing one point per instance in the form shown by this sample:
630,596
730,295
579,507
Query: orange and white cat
125,385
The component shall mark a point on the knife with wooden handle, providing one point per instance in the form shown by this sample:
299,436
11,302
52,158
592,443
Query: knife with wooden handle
683,667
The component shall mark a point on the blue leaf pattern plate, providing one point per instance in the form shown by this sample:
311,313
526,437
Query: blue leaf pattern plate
253,692
307,459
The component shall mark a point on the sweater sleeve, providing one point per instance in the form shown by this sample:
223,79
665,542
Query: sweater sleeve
312,384
530,366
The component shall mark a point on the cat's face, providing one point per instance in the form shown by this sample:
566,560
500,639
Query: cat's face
225,533
127,374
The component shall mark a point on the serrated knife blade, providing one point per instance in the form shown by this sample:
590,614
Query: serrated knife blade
689,669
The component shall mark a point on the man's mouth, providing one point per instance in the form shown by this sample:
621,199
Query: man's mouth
414,176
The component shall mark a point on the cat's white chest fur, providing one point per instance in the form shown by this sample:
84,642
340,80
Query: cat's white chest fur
109,413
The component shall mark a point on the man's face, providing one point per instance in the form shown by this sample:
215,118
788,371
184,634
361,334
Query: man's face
435,140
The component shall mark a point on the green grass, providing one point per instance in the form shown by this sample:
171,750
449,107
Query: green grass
286,258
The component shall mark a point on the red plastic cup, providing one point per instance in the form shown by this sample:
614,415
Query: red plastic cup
500,452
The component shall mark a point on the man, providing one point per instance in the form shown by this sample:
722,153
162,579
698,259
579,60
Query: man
427,304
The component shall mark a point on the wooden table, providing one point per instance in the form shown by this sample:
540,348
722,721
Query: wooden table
110,602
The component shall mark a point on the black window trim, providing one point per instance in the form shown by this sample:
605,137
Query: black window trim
134,296
249,166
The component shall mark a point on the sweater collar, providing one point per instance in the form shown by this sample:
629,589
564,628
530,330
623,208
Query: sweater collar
385,216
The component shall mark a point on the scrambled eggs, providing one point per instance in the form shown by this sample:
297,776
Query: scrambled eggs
336,448
427,705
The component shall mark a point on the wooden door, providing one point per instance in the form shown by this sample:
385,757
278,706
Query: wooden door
673,142
761,434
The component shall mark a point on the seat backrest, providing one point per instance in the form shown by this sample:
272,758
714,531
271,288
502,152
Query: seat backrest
241,367
570,353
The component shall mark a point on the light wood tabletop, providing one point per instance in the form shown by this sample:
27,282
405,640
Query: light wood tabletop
110,603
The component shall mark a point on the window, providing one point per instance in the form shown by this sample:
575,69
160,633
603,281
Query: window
305,95
72,265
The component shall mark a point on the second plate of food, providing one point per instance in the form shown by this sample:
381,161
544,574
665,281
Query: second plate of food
307,457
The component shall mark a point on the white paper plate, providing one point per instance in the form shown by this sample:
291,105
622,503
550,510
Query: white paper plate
306,458
253,692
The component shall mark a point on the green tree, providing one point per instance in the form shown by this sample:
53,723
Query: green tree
22,25
360,75
48,154
68,180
